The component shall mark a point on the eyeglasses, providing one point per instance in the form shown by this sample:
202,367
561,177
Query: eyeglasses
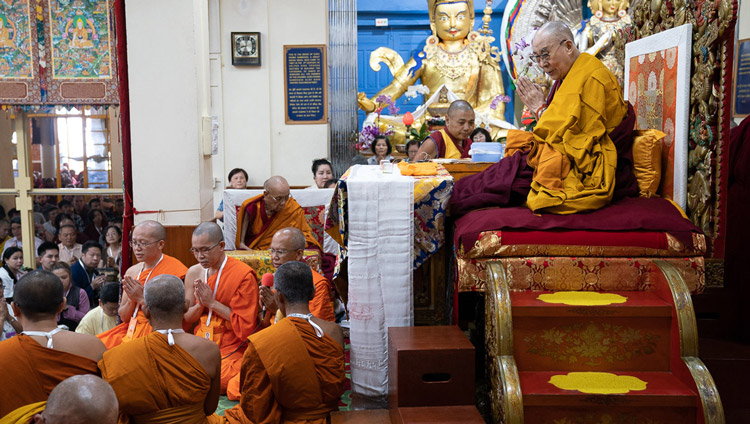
140,244
544,57
203,250
281,252
280,198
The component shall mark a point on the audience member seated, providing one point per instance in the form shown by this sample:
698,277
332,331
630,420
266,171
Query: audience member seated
95,227
237,181
148,242
9,325
322,172
49,255
288,245
80,208
66,206
571,149
381,148
222,294
70,251
50,213
167,376
292,371
480,135
113,238
261,216
103,317
412,147
451,142
119,209
4,232
43,355
85,274
81,399
77,302
17,240
9,273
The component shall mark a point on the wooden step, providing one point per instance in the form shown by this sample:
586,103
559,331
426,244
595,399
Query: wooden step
638,304
629,336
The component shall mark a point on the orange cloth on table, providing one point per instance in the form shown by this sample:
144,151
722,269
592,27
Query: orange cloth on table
114,337
418,169
238,289
155,382
289,376
321,304
261,228
31,371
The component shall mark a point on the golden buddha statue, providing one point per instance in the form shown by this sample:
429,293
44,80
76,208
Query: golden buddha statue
610,17
455,56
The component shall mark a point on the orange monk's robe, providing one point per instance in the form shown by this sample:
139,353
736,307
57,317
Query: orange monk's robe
321,304
289,376
117,335
261,227
30,371
155,382
238,289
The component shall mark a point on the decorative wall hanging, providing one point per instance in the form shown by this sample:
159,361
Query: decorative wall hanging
19,52
246,48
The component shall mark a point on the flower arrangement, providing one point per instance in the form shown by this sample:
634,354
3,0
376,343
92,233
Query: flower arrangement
370,131
500,98
414,90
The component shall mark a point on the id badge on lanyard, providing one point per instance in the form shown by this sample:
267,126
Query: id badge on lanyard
207,329
208,332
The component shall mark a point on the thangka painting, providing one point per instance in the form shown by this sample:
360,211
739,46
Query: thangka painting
19,75
82,55
657,84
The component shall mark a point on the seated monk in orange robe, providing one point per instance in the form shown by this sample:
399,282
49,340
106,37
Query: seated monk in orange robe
223,296
261,216
167,376
288,245
42,356
148,243
293,371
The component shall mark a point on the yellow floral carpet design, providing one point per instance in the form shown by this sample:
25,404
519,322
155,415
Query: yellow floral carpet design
581,298
602,383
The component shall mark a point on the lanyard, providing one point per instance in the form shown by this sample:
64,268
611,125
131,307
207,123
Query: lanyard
308,317
48,335
148,277
216,287
168,332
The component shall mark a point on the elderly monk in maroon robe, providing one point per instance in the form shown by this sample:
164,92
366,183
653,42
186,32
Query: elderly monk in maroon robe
293,371
43,355
452,142
578,157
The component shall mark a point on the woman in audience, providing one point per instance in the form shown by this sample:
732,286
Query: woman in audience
381,147
322,173
95,228
77,304
9,273
480,135
113,237
9,325
237,181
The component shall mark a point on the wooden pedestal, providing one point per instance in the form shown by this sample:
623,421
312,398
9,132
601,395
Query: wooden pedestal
429,366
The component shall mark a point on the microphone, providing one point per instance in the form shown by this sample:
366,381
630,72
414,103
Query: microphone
267,280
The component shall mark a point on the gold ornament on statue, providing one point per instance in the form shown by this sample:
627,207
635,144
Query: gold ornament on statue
602,33
455,56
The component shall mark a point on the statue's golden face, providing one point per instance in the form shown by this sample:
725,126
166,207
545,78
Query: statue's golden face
453,21
610,7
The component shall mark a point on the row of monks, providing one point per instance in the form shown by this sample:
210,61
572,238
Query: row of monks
272,347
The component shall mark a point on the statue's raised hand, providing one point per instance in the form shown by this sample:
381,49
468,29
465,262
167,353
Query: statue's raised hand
364,103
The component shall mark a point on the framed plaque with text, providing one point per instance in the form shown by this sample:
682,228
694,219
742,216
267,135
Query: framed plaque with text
741,91
305,84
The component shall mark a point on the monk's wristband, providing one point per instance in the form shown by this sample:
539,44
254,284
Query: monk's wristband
539,111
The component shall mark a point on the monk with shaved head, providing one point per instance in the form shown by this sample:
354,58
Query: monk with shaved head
43,355
148,240
451,142
578,156
261,216
81,399
222,294
167,376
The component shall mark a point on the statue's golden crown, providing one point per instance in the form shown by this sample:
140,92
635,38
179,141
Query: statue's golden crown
432,4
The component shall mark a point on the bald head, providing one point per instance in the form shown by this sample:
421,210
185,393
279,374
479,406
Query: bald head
555,48
153,228
460,106
288,244
38,295
276,183
555,29
81,399
164,296
209,229
294,238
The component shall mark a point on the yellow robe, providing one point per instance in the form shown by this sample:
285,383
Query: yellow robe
574,157
261,228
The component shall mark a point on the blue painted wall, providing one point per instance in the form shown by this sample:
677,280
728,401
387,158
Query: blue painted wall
408,27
